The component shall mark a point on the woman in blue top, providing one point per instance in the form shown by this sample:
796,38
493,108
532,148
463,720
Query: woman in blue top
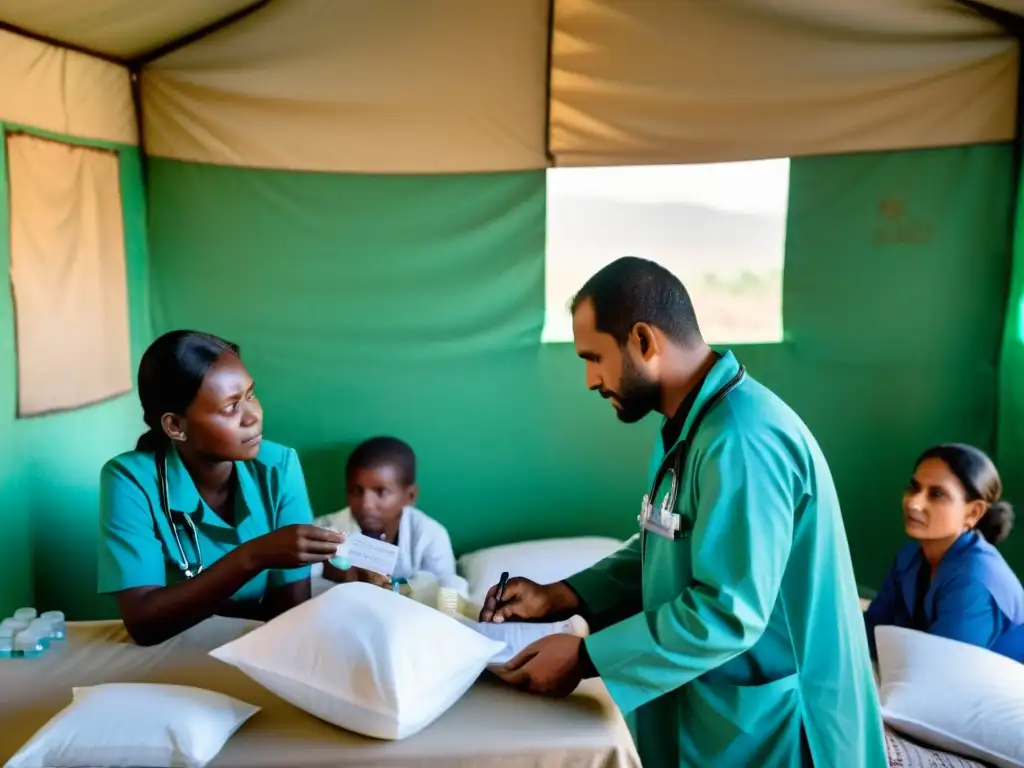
204,517
951,580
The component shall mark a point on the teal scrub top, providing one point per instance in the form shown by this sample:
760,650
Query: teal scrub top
743,642
137,547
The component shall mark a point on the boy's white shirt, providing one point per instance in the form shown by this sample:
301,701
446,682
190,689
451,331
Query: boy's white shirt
423,543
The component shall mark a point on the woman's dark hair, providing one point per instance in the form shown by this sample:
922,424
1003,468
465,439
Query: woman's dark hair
170,374
980,480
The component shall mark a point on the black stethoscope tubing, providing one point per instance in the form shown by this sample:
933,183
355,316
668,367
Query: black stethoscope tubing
675,460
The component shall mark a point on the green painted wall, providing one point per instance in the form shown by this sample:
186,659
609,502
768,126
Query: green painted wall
414,305
49,465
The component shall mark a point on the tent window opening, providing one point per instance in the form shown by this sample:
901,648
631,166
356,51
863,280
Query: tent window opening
719,227
68,274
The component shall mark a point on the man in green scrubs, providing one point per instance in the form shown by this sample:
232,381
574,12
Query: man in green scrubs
739,641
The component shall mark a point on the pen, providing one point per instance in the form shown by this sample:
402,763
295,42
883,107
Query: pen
501,588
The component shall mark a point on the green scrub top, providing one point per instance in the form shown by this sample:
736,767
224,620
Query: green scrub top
744,642
137,547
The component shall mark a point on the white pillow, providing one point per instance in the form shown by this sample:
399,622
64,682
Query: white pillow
136,724
544,561
365,659
954,696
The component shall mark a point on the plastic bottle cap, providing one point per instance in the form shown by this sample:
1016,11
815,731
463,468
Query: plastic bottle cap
53,615
17,625
25,614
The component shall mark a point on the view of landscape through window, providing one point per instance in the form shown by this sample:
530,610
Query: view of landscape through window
721,228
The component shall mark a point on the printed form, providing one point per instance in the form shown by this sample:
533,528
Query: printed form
370,554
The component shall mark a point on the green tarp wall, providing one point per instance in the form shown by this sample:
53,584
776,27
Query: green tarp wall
414,305
49,465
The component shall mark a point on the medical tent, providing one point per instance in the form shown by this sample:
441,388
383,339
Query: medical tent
361,194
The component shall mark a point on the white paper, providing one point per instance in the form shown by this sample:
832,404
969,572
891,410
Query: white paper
368,553
517,634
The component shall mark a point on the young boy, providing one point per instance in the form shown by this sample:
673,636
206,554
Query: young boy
382,491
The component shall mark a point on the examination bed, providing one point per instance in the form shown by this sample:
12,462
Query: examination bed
491,725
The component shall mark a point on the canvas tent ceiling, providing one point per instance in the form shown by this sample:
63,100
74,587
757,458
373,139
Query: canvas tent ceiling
127,29
121,29
450,86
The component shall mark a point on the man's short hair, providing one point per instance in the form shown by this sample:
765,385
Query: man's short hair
632,290
380,452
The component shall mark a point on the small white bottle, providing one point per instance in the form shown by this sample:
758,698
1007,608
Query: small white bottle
59,624
15,625
28,645
43,629
6,643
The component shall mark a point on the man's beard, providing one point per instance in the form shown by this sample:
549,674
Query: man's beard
637,395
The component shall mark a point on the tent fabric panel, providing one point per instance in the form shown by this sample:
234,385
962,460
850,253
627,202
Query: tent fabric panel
647,82
1011,374
406,305
49,464
120,28
906,230
68,274
441,86
893,301
62,91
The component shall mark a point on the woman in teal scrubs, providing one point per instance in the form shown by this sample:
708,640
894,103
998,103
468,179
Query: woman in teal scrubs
950,579
235,535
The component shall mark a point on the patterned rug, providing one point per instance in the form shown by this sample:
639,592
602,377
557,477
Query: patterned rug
904,753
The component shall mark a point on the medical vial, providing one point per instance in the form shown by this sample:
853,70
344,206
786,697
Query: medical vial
15,625
6,643
28,645
43,629
58,623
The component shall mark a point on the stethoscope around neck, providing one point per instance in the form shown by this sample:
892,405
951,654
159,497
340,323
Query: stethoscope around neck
665,521
187,569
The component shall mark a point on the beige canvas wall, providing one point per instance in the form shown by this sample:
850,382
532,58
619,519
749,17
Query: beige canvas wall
65,92
67,274
435,86
638,82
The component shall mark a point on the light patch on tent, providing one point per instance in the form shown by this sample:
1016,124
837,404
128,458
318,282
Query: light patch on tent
67,274
720,228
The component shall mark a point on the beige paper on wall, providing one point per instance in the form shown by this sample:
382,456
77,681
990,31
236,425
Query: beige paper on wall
640,82
68,275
